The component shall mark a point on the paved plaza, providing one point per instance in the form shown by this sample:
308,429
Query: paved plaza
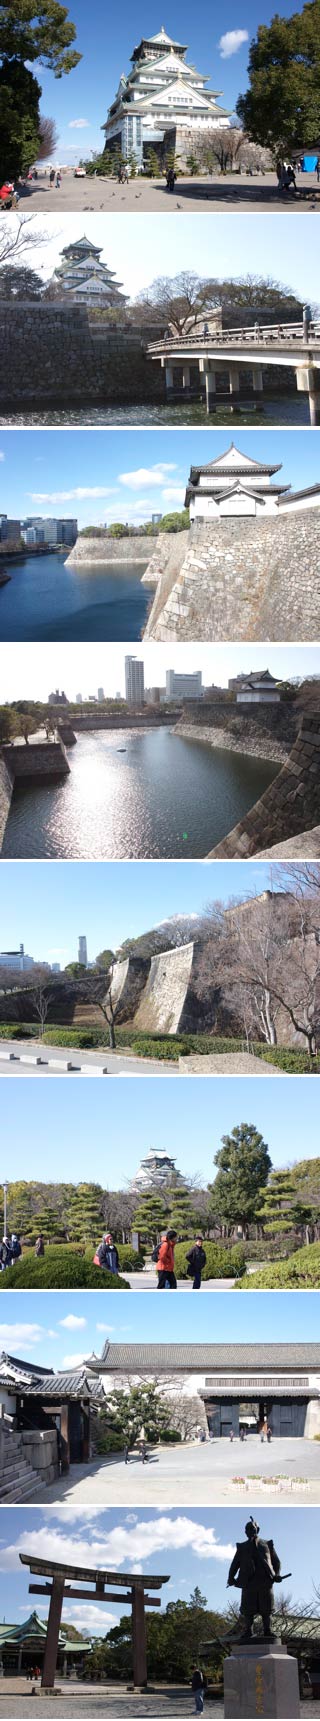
19,1058
84,1703
231,191
215,1472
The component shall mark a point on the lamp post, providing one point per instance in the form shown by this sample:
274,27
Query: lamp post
5,1187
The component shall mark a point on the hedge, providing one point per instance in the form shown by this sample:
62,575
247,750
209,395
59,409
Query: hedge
58,1268
272,1248
301,1271
290,1059
221,1263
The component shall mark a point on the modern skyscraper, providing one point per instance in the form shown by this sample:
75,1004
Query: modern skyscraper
183,686
82,950
134,680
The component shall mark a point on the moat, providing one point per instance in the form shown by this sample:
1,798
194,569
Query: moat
135,794
47,600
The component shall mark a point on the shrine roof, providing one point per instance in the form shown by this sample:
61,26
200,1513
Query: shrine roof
34,1383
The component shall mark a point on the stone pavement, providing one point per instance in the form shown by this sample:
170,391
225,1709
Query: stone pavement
231,191
287,1470
100,1703
227,1064
55,1060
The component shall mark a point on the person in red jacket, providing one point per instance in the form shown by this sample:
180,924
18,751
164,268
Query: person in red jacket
166,1273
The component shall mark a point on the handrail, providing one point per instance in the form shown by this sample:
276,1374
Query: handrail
257,334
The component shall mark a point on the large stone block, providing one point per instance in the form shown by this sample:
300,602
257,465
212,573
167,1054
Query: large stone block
261,1679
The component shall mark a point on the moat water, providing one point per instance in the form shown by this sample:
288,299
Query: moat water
285,409
161,797
45,599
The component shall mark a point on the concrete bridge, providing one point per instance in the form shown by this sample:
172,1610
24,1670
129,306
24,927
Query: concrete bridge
293,346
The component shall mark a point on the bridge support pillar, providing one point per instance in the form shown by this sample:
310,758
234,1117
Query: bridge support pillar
234,384
210,379
257,380
308,382
169,378
186,378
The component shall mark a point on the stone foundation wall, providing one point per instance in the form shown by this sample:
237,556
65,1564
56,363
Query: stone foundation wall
291,803
6,791
109,550
38,759
57,354
243,579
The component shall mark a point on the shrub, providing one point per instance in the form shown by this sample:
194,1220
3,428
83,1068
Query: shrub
272,1248
299,1273
170,1436
129,1259
110,1441
57,1268
221,1263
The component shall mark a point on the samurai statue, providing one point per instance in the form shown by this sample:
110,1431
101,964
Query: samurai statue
254,1569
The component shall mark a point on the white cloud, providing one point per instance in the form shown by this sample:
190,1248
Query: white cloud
92,1621
146,475
73,1361
2,456
231,42
73,1322
175,494
78,125
147,1539
21,1333
102,1328
80,494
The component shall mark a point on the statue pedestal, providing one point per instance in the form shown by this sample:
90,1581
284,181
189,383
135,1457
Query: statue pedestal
261,1679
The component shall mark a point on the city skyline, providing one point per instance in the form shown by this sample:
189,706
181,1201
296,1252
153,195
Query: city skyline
118,900
179,1118
128,475
197,1542
76,668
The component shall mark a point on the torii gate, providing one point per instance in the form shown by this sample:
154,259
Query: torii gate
135,1586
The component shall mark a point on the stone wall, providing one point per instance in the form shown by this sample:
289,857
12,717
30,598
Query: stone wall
59,355
41,1451
159,995
243,579
109,550
263,731
38,759
6,791
291,803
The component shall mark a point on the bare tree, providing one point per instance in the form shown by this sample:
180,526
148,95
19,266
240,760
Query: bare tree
49,137
181,300
19,236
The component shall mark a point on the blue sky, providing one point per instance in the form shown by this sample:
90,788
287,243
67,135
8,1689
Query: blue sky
140,248
107,41
124,1119
108,900
59,1328
102,475
194,1547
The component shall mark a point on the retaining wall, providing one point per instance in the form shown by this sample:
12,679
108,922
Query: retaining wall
243,579
106,550
6,792
57,354
37,759
291,803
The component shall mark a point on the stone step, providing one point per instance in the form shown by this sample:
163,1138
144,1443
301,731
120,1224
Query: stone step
17,1490
11,1470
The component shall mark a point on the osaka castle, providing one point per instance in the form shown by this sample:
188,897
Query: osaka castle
82,276
162,103
233,484
156,1170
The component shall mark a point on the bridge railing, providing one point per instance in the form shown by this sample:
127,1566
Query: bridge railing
257,334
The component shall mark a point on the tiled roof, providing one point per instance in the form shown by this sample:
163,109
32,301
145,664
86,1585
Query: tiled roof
198,1358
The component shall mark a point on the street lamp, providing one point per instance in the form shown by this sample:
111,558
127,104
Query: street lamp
5,1187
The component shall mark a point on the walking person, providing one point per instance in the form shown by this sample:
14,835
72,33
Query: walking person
39,1246
51,178
15,1248
5,1254
198,1688
197,1261
107,1255
166,1273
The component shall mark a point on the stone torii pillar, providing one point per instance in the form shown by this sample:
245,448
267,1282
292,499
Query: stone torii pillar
52,1638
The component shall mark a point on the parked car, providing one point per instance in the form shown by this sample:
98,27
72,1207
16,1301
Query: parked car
79,173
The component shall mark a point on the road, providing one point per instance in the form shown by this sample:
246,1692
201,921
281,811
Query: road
231,192
288,1470
55,1060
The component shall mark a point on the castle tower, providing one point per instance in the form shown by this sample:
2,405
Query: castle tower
156,1171
233,484
162,103
82,278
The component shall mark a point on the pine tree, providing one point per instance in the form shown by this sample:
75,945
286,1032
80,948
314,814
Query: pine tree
85,1213
151,1217
280,1208
243,1168
182,1214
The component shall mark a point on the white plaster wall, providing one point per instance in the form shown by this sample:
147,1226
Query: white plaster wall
300,506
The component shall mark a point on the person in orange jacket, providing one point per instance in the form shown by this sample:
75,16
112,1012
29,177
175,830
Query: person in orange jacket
166,1273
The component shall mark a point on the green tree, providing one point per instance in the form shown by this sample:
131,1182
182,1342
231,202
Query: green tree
281,1209
151,1217
8,723
141,1408
105,959
75,969
282,107
47,1222
30,30
182,1214
17,284
243,1169
152,164
85,1213
175,522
